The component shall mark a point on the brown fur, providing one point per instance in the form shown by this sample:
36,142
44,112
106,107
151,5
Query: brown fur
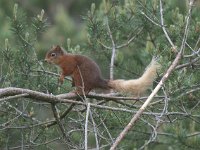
86,74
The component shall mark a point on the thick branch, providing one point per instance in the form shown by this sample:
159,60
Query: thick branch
38,96
11,93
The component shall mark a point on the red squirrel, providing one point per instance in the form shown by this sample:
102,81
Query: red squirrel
86,74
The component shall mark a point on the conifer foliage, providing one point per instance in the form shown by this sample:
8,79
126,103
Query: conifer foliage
122,37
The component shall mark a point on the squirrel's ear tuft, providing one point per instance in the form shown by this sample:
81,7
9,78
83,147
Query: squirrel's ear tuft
58,47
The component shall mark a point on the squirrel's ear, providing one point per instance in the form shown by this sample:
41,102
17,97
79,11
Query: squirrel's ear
57,47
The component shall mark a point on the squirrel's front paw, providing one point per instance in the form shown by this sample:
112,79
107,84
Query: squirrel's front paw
60,80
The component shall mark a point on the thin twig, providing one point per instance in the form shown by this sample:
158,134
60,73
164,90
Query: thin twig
35,145
95,130
86,125
110,136
163,26
129,41
51,73
62,115
55,113
113,50
188,92
105,46
13,97
188,64
150,19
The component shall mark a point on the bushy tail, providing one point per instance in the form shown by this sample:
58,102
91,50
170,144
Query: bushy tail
136,86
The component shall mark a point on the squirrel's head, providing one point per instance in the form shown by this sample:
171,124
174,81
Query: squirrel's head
54,55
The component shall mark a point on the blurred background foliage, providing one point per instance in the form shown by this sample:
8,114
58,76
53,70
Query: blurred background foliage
29,28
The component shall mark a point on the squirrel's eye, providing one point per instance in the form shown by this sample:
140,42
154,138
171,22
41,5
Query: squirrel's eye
53,54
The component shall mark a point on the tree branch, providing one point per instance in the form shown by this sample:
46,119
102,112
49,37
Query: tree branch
38,96
86,125
57,118
113,50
